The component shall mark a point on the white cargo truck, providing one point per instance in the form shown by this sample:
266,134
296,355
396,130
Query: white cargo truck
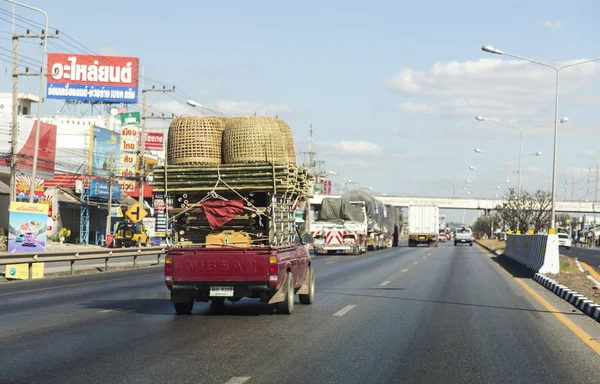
423,225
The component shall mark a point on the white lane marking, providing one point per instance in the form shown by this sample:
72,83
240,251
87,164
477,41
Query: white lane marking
404,270
344,310
79,284
238,380
105,311
416,262
330,262
384,283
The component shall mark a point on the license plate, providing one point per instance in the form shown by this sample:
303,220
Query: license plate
421,237
462,240
221,291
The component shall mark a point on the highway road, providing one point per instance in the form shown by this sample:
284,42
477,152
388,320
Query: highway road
589,256
402,315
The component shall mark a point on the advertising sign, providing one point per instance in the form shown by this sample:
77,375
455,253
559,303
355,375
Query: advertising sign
27,227
158,205
128,165
21,272
109,79
127,185
24,184
131,118
161,225
116,212
150,225
99,190
154,141
104,152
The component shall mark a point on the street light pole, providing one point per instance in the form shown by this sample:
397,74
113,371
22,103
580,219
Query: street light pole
490,49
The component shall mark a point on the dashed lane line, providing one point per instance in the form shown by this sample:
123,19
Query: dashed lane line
404,270
238,380
344,310
416,262
384,283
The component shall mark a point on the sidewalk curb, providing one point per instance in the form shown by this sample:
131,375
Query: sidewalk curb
578,301
488,249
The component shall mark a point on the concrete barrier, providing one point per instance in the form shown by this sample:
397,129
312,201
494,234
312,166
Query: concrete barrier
537,252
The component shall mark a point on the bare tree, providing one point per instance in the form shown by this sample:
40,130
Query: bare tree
531,211
483,225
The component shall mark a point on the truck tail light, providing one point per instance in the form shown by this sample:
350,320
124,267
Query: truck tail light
273,268
169,266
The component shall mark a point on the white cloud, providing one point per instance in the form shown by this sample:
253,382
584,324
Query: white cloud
107,51
488,87
589,153
552,24
353,147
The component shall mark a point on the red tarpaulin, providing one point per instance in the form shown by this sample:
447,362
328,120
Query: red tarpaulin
220,212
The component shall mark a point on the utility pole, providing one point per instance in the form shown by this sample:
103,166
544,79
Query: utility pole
310,153
572,188
143,134
110,196
14,136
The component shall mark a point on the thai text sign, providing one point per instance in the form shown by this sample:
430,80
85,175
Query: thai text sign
92,78
154,141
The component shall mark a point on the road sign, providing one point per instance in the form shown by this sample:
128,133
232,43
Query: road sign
131,118
136,213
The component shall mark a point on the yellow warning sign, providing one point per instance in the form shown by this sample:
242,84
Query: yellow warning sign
136,213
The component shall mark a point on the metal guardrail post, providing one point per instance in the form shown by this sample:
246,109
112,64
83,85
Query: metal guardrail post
134,262
158,259
72,267
30,270
105,264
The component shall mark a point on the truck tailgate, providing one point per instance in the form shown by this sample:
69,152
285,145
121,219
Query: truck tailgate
220,264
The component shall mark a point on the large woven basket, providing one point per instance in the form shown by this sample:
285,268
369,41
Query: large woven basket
253,139
288,141
195,140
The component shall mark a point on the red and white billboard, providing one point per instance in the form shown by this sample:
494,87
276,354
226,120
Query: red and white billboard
110,79
154,141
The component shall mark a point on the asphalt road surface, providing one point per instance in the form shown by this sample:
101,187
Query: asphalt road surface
590,256
402,315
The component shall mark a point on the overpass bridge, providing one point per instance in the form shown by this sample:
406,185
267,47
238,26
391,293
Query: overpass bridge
464,203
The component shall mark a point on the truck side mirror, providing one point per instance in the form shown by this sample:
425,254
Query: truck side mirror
307,239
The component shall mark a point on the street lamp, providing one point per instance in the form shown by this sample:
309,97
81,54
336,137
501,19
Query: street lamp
472,168
496,51
198,105
36,145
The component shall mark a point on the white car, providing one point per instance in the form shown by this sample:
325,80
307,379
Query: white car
564,240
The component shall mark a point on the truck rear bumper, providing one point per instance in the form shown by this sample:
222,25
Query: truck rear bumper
200,291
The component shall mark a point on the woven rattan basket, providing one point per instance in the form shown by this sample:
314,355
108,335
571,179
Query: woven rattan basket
195,140
253,139
288,141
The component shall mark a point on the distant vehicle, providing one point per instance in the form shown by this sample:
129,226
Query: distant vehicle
130,234
463,235
442,237
564,240
29,240
19,238
423,225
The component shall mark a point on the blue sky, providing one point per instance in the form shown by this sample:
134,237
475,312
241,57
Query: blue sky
392,86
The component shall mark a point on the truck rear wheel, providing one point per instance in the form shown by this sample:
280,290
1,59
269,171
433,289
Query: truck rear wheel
286,307
310,297
184,308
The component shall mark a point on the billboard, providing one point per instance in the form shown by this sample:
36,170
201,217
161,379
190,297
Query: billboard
154,141
24,185
110,79
104,152
99,190
27,227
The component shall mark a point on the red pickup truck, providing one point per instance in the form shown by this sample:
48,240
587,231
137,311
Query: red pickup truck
272,274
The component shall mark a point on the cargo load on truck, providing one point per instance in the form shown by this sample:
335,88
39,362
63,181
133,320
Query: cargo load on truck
234,186
378,235
340,228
